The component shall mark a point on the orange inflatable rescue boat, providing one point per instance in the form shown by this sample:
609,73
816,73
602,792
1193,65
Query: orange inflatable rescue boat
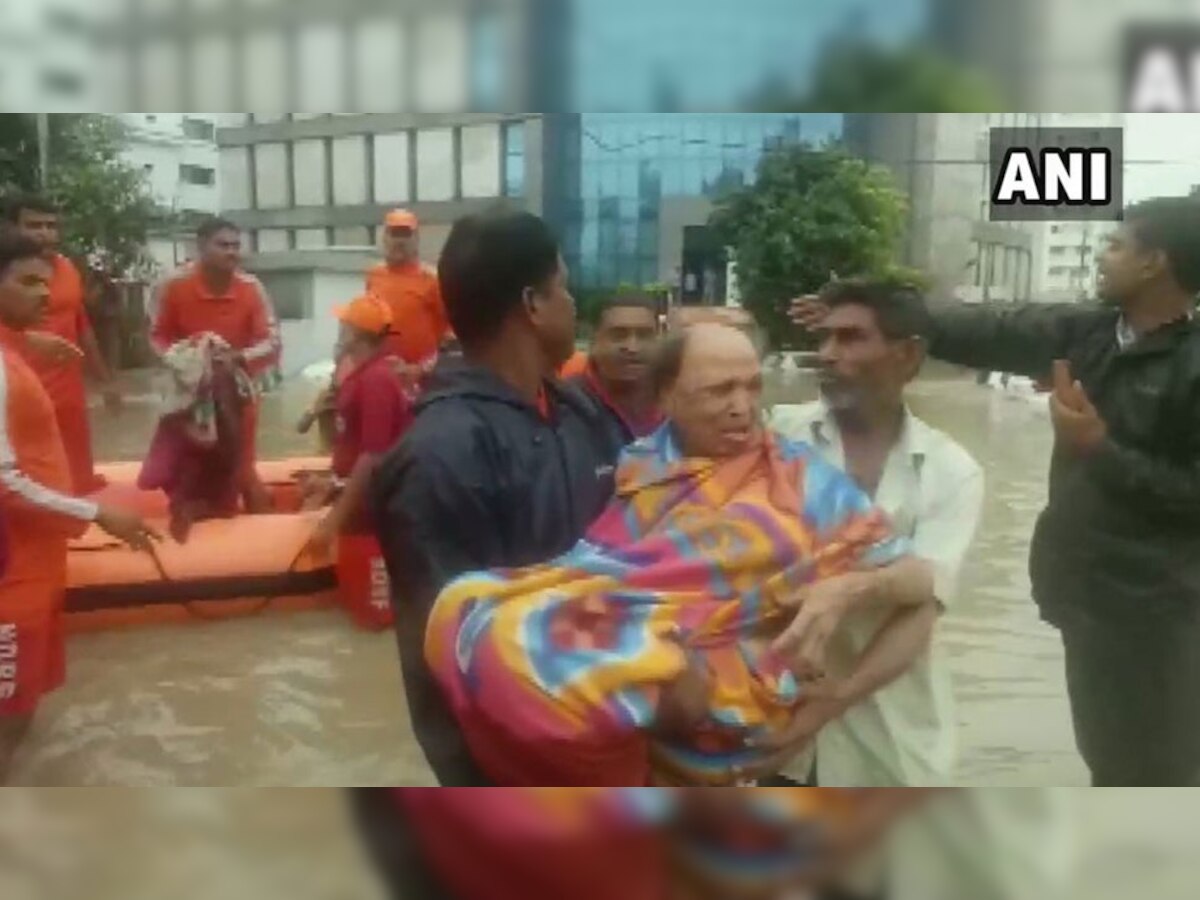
227,568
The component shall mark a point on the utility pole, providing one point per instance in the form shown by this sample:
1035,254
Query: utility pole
1084,244
43,136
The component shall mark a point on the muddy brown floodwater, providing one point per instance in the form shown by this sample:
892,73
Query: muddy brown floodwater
304,699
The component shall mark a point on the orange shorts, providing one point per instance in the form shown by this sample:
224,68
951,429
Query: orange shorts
33,659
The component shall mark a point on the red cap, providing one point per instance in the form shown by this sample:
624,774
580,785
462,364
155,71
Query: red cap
401,218
366,313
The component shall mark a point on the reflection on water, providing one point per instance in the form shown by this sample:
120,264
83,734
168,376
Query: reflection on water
304,699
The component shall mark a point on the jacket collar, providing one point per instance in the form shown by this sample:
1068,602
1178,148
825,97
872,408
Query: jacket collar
1160,340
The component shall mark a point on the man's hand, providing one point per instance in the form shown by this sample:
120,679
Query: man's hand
324,536
229,355
410,374
808,311
822,703
52,348
128,527
1077,424
821,606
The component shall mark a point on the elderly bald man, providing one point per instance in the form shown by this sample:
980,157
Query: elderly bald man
682,640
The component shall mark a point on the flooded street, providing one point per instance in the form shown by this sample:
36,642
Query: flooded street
304,699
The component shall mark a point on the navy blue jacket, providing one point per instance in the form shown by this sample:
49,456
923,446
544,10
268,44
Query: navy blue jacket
481,480
1119,540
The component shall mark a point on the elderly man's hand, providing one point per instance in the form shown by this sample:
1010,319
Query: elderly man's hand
821,606
684,702
823,701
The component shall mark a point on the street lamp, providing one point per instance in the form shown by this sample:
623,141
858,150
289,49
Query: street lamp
43,138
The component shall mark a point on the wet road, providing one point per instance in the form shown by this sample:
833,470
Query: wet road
249,845
303,699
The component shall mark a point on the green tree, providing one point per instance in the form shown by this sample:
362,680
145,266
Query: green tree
107,205
810,213
855,75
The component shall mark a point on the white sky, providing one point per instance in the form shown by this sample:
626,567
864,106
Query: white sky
1162,154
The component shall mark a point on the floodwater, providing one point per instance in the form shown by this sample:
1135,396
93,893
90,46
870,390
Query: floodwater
242,844
304,699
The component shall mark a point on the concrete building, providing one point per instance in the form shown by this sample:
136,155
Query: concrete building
48,57
177,152
315,55
311,191
940,160
308,182
1064,253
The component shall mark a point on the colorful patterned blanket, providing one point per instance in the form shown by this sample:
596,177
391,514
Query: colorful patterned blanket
555,672
623,843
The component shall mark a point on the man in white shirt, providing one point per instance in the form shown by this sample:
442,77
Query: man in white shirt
903,735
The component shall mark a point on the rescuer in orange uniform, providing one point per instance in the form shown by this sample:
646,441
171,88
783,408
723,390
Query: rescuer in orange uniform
410,288
36,503
215,295
58,347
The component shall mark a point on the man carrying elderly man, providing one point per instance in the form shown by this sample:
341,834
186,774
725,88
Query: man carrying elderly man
441,517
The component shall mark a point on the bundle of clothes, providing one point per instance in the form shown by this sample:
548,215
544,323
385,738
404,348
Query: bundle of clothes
565,673
632,843
195,456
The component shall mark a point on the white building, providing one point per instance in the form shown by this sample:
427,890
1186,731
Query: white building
940,162
178,154
48,57
1065,253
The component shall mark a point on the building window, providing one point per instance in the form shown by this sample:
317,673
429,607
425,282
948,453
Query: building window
271,176
391,167
379,61
349,159
321,86
480,153
436,164
66,22
487,60
60,82
442,61
310,172
200,175
198,129
514,159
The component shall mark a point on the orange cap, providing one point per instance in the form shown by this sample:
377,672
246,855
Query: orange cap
401,218
366,313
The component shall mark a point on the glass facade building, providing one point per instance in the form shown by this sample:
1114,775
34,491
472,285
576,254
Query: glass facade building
613,173
645,55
